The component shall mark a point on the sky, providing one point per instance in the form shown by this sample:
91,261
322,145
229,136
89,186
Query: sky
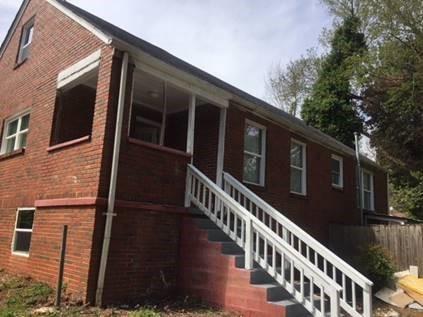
236,40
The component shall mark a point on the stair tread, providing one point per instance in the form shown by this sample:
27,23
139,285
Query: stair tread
285,302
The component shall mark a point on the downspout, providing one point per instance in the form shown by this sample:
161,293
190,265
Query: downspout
113,179
359,181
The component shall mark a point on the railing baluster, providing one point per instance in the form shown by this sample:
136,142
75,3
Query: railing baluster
322,300
249,244
311,295
274,257
354,302
302,284
325,266
291,264
344,289
266,260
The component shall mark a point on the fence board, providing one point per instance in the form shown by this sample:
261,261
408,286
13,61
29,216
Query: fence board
404,243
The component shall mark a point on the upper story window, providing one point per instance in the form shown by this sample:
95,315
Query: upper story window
26,40
15,133
254,153
367,188
298,168
23,231
337,171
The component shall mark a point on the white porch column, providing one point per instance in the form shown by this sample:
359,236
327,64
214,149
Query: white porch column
191,125
221,147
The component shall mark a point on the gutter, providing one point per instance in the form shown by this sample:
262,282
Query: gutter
113,180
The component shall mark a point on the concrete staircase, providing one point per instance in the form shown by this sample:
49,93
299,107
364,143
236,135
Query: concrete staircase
212,269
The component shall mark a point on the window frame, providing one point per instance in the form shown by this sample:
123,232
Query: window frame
262,156
16,229
303,169
27,27
371,191
340,159
17,135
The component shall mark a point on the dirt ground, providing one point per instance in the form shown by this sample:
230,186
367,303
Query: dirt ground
25,297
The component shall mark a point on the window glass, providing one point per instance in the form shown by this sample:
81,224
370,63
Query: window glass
336,171
15,137
254,154
23,230
297,155
253,136
367,190
298,172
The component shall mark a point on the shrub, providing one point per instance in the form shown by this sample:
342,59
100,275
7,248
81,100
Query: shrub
376,264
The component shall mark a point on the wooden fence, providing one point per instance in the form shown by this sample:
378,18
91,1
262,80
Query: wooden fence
404,243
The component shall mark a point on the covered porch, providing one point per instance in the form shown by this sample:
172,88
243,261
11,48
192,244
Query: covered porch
170,124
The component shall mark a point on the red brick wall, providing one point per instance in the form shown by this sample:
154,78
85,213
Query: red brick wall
143,257
323,204
58,43
43,260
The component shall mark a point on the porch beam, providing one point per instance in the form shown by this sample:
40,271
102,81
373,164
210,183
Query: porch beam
221,146
191,124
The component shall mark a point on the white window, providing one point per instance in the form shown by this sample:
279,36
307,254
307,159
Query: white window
23,231
26,40
254,153
298,168
367,193
15,133
337,171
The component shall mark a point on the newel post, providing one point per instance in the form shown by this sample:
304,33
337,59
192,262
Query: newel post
249,244
334,303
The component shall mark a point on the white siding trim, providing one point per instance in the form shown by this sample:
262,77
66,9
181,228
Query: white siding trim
79,69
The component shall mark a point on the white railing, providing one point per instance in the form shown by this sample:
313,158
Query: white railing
306,283
356,296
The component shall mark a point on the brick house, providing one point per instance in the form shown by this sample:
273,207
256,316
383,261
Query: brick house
116,138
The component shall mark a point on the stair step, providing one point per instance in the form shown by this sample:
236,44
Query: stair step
231,248
292,308
274,292
217,235
260,276
206,224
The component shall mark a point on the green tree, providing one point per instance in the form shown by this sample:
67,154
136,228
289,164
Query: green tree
332,105
393,99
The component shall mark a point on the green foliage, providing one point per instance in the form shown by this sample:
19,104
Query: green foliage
21,295
331,106
145,312
376,264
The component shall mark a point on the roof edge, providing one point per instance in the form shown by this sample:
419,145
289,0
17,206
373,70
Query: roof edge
106,38
13,26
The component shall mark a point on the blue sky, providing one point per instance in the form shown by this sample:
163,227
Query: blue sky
235,40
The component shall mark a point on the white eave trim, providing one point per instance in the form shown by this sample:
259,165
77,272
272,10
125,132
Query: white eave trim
172,74
13,27
101,35
79,69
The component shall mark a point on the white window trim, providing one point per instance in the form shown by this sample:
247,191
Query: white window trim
262,156
28,25
18,133
341,171
20,253
303,169
372,190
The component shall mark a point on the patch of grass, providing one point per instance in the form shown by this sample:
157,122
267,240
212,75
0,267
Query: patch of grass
19,295
144,312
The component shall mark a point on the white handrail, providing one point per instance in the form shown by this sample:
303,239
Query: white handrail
316,254
269,250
